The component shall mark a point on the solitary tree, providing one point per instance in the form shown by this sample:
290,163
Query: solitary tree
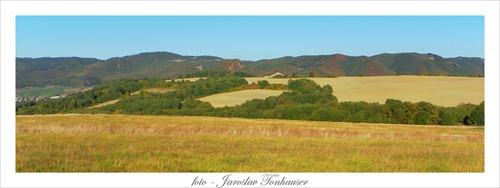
262,84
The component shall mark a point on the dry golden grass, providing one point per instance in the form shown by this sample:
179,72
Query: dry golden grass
239,97
123,143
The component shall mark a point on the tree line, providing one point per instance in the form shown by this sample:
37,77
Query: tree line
306,100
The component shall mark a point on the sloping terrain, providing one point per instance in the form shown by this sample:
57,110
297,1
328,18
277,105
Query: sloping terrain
237,66
83,72
64,71
378,65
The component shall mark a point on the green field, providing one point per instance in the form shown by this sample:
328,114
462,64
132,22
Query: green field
41,91
128,143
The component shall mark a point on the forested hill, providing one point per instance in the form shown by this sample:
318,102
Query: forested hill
378,65
80,72
41,72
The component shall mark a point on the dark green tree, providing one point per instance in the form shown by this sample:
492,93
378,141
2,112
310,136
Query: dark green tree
477,115
262,84
397,111
447,117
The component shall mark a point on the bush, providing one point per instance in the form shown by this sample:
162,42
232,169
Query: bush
262,84
119,111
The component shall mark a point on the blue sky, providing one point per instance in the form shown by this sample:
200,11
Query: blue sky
248,37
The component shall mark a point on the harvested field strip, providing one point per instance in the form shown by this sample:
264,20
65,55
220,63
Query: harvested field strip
105,103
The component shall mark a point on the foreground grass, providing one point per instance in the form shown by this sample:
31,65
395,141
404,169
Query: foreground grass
119,143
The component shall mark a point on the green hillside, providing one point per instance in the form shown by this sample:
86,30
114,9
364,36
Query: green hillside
83,72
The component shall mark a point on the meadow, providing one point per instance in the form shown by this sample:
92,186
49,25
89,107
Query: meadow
133,143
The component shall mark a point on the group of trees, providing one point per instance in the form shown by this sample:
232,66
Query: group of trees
99,94
305,101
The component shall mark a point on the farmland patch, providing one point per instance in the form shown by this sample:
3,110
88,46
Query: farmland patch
239,97
438,90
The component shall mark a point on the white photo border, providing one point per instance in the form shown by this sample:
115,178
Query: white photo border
11,9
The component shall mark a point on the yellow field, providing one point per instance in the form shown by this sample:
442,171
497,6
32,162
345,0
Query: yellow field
125,143
239,97
438,90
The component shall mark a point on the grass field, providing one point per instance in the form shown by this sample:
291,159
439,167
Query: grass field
239,97
41,91
124,143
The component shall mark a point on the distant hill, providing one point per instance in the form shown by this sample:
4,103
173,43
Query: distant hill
378,65
413,63
237,66
82,72
152,65
65,71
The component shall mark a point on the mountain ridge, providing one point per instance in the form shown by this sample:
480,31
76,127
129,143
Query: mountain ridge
82,72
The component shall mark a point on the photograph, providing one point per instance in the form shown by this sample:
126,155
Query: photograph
285,105
242,100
